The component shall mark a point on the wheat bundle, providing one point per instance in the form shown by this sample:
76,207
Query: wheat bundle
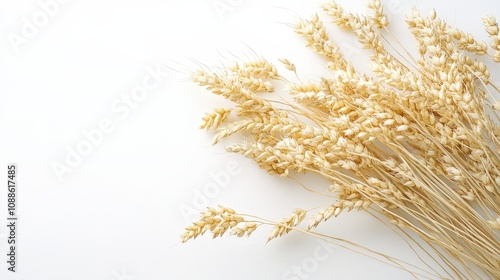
416,140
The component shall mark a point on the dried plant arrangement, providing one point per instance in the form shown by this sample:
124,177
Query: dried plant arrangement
416,141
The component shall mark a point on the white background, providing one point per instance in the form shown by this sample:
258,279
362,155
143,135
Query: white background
117,214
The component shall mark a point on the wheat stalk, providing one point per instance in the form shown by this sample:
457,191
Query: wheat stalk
415,142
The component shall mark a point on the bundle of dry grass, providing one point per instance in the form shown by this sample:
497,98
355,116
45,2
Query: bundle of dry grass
415,141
